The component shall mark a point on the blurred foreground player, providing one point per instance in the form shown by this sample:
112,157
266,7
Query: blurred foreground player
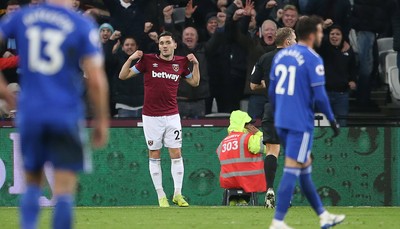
161,121
297,85
53,41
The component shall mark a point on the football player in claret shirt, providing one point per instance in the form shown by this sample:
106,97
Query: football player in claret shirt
53,42
297,86
161,121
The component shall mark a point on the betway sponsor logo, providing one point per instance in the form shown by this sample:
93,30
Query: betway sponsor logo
164,75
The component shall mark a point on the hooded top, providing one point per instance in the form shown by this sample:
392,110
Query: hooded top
237,121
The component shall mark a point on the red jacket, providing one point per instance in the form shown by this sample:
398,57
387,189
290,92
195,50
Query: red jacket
239,167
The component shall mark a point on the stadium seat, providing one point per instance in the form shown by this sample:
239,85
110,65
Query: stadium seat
250,197
381,67
385,44
390,61
394,83
179,15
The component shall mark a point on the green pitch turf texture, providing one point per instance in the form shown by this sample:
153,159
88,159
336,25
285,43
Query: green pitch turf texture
147,217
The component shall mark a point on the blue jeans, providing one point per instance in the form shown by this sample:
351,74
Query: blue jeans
256,105
365,41
340,105
122,113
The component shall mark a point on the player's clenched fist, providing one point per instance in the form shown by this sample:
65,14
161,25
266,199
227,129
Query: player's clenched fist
192,59
136,55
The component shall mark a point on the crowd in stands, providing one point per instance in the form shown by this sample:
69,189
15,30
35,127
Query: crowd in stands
228,37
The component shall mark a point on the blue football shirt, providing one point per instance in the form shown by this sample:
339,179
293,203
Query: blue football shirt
295,71
51,42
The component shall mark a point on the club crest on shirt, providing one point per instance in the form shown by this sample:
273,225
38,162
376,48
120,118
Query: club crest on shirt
175,67
320,70
150,142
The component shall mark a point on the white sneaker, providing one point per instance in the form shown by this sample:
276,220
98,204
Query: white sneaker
328,220
270,199
279,225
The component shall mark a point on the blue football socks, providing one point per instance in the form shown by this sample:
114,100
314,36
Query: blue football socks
308,189
62,218
285,191
29,207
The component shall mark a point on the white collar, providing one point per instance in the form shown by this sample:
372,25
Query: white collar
124,4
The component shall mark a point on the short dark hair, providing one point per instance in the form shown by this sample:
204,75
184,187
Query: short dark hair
307,25
13,2
128,37
166,34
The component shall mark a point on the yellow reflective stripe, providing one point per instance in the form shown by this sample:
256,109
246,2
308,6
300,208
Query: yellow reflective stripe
240,160
244,173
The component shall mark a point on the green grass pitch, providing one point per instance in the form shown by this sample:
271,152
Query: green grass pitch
147,217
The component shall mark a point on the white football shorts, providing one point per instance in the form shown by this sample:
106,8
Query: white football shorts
162,130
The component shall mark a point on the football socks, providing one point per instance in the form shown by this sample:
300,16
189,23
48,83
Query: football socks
177,172
308,189
29,207
285,191
156,176
270,166
62,216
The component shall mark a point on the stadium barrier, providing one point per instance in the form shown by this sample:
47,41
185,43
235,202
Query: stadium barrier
360,167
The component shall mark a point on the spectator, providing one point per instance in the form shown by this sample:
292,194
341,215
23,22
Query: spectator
274,10
127,16
369,18
109,40
128,94
336,11
226,67
256,47
290,16
192,101
241,153
340,72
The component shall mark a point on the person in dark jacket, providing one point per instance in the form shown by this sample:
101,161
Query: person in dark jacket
338,11
340,72
128,16
369,18
255,48
128,94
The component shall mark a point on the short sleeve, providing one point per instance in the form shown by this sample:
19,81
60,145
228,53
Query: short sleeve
186,71
90,43
140,66
8,25
316,72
